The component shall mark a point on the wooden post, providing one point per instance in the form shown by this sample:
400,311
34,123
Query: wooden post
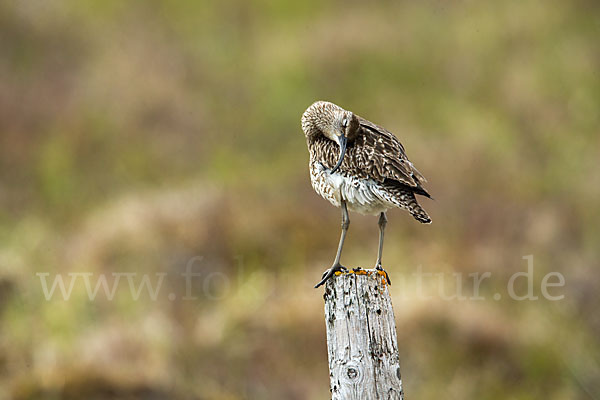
361,338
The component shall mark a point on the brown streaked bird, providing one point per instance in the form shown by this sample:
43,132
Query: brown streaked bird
359,166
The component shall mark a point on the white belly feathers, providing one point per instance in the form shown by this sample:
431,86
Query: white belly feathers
361,195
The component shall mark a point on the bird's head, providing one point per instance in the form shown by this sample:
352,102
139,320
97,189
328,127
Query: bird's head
333,122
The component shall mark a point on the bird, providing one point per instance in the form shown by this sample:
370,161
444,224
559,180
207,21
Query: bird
361,167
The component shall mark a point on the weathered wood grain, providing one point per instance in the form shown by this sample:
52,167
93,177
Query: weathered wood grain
361,338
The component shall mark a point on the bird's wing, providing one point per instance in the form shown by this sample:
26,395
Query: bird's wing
383,156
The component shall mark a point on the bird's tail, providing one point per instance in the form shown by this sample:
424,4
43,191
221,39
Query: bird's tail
404,197
417,211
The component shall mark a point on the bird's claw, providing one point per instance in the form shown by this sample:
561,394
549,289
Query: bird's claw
379,268
329,273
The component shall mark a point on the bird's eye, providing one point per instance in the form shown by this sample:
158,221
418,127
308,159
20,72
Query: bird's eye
345,123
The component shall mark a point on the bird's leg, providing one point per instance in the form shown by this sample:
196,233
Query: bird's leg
345,226
382,222
336,263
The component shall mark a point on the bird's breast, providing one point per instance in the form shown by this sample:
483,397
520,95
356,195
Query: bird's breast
360,195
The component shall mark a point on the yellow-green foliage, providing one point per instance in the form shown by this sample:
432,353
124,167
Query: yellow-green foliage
136,135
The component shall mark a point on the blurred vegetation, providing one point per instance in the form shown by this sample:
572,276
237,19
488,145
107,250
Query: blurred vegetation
137,135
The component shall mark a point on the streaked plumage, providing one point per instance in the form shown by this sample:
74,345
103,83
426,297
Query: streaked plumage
358,164
375,174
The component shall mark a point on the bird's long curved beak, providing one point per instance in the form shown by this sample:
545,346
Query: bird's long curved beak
343,141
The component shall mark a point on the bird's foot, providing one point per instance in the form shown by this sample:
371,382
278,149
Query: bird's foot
330,272
383,272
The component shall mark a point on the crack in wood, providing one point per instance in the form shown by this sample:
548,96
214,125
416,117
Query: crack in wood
361,338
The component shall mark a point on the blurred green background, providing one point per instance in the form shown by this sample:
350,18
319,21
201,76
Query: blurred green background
137,135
